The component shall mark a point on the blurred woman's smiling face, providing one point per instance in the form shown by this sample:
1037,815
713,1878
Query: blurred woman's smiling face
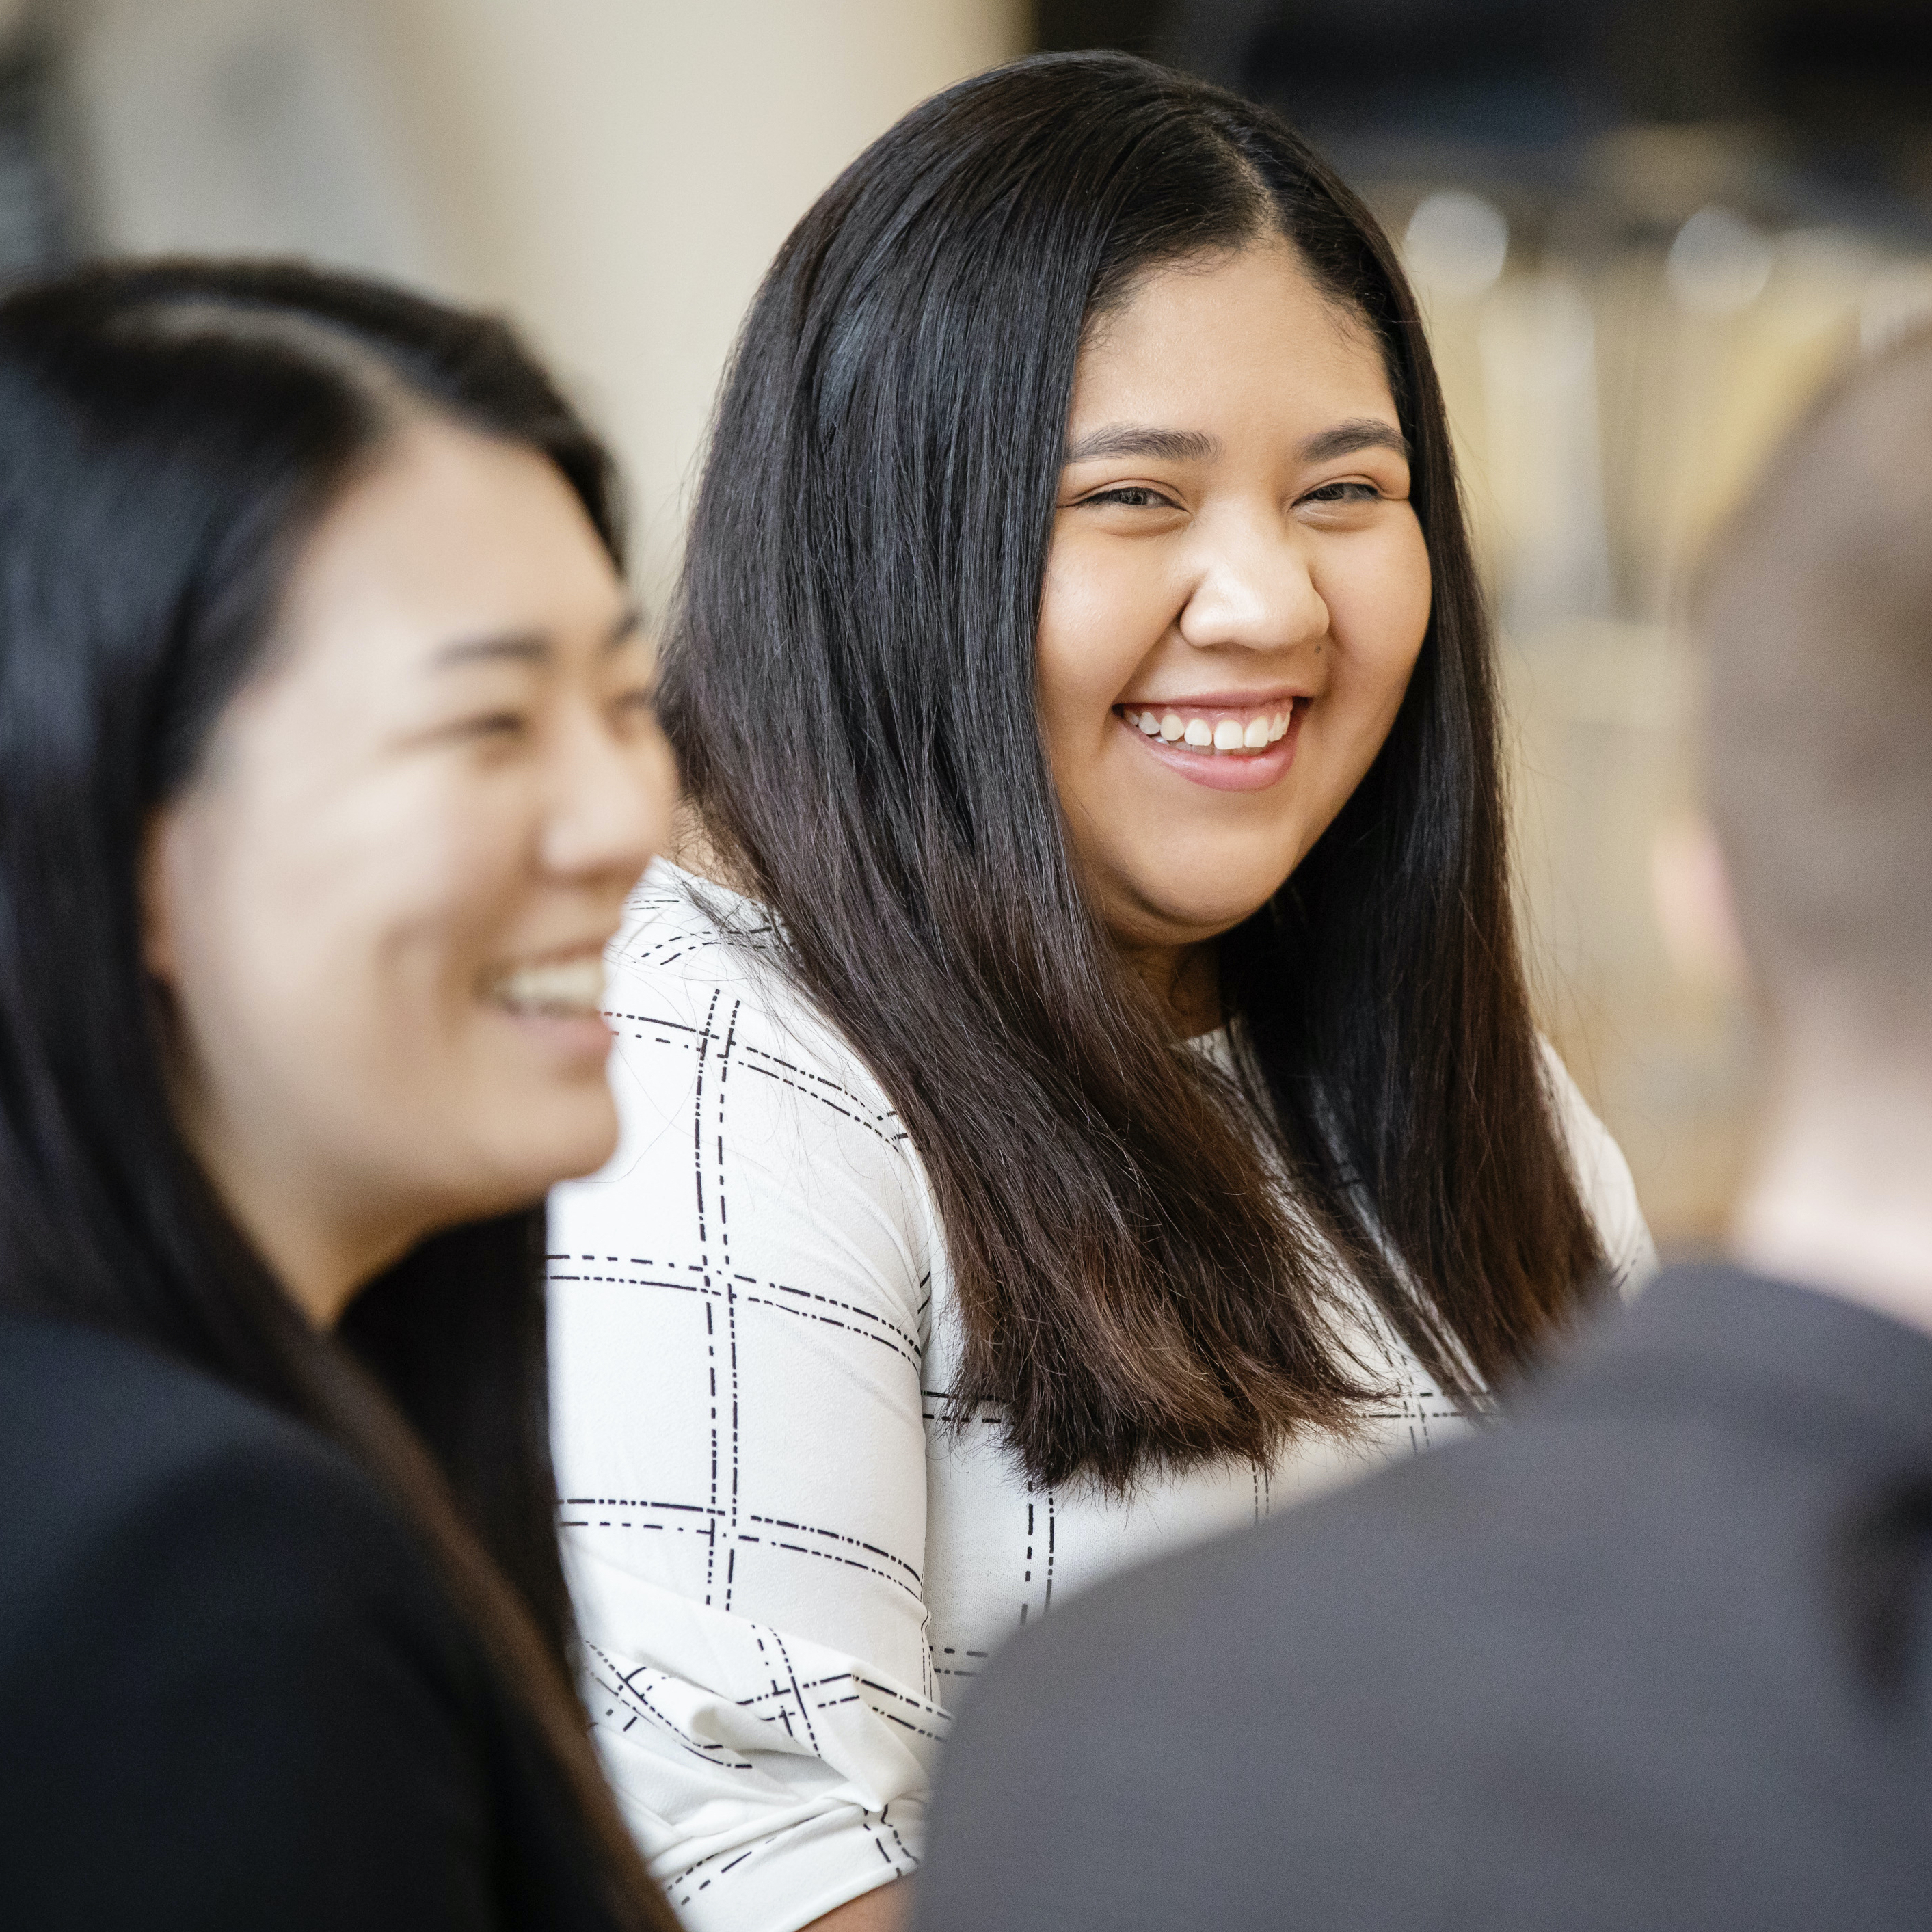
379,911
1236,594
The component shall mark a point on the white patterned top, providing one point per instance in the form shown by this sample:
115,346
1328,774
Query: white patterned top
785,1565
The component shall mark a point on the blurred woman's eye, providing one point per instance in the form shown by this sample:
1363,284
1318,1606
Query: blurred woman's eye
492,727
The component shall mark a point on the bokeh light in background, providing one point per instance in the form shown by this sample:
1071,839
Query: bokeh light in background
1644,230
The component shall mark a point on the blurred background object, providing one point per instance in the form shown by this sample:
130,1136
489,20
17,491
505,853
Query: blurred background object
32,231
1644,231
616,174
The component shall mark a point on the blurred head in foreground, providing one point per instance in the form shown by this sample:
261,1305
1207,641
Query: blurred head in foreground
327,759
1816,608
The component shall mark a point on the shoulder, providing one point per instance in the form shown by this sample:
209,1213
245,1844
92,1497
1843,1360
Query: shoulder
1602,1176
709,1021
699,973
755,1138
227,1671
1468,1663
1605,1653
98,1424
129,1471
1214,1712
229,1675
680,929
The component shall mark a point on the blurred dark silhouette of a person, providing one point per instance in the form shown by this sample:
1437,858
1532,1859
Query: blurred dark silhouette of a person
327,761
1672,1665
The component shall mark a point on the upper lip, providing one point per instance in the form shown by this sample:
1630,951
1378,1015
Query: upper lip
1213,700
551,955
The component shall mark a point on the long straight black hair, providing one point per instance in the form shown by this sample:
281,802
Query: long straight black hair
850,680
170,435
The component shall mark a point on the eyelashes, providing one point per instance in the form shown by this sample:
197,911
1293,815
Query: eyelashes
1134,496
1142,496
1344,493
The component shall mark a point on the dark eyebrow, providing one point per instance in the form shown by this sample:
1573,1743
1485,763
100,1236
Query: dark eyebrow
1345,438
1167,445
528,646
1184,445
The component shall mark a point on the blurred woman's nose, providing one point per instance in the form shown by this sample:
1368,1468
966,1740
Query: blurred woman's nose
611,792
1256,591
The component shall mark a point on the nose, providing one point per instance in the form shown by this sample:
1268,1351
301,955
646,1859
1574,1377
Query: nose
610,793
1255,591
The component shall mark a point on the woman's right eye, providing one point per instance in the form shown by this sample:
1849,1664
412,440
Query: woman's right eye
1134,496
493,725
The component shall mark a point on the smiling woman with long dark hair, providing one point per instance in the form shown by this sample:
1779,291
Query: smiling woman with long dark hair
327,760
1080,1091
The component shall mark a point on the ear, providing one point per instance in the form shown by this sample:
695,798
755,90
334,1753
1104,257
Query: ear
1690,890
159,952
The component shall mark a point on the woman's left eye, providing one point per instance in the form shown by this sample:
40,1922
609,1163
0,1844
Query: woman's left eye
1344,493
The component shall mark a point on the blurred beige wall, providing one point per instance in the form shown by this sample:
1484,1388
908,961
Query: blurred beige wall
1614,390
620,172
615,173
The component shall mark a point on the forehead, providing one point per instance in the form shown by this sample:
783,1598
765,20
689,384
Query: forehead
451,530
1225,335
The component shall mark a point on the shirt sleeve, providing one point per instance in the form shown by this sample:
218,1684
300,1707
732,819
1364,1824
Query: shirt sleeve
738,1304
1603,1177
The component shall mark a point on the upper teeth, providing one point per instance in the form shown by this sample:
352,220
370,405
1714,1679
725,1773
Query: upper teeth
572,986
1227,734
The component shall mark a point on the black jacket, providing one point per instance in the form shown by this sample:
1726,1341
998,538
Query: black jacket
232,1691
1656,1653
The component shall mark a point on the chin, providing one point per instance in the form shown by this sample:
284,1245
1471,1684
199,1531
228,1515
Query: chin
1192,922
1193,890
557,1144
583,1155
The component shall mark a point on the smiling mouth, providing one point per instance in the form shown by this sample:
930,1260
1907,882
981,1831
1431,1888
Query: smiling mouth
1214,731
571,989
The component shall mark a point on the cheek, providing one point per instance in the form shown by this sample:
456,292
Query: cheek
380,938
1102,609
1379,599
423,922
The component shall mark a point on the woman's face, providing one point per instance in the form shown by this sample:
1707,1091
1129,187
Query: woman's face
1236,594
380,910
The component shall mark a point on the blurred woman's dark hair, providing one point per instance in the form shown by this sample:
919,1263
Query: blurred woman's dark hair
170,434
850,681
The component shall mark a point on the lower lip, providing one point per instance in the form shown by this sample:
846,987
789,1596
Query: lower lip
583,1038
1225,771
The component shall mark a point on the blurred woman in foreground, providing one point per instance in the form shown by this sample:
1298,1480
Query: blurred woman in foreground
327,758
